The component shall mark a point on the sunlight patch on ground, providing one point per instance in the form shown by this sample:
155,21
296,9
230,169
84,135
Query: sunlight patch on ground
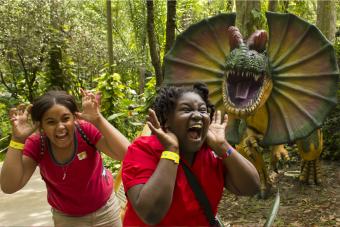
27,207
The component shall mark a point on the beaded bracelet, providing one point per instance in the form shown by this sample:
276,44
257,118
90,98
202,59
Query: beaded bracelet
227,153
16,145
171,156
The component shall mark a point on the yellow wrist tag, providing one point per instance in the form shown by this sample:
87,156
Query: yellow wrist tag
171,156
16,145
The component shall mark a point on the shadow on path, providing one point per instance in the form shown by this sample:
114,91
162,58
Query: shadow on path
27,207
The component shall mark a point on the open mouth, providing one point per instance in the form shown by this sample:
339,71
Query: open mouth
61,136
195,132
244,88
243,92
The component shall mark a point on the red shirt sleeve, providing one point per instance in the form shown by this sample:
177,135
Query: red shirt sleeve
32,147
140,161
91,132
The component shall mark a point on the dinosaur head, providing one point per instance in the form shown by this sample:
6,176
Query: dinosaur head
246,85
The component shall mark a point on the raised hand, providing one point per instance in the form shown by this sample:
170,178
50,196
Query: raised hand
166,137
216,136
90,106
22,127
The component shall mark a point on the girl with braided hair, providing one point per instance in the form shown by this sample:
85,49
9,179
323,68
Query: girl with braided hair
188,136
79,187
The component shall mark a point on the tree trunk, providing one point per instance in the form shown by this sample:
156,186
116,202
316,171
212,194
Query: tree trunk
230,5
57,79
326,18
273,5
109,34
170,27
141,80
55,55
170,24
154,53
245,20
285,5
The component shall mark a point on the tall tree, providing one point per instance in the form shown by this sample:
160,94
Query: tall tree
248,12
57,80
170,24
326,22
285,5
137,16
273,5
109,34
154,51
326,18
230,5
23,47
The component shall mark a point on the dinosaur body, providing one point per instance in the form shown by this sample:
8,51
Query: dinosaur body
276,90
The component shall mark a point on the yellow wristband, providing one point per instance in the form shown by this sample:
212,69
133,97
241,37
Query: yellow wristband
16,145
171,156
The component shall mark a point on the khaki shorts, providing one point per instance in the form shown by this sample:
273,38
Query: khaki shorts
107,215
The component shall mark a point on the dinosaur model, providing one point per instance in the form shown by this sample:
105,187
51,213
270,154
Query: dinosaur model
276,90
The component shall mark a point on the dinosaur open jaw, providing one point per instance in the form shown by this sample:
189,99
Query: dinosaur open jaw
242,91
243,88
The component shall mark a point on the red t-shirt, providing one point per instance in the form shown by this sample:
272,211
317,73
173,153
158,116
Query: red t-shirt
141,161
86,186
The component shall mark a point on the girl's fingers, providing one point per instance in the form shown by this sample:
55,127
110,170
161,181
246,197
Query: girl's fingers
91,96
225,120
27,110
153,119
152,128
213,118
83,92
218,117
98,97
21,108
12,112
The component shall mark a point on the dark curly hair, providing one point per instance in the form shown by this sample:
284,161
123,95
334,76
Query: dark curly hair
165,101
50,98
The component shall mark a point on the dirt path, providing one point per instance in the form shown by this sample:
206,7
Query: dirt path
27,207
301,205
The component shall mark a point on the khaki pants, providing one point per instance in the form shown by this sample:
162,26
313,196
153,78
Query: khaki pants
108,215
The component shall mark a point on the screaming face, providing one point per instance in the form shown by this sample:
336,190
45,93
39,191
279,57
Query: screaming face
189,122
58,124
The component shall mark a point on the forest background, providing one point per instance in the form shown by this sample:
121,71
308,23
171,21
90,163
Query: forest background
117,48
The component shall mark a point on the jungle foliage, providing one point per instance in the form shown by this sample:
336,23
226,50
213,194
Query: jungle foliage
62,44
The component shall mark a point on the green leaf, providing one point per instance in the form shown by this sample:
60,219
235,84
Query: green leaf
136,123
114,116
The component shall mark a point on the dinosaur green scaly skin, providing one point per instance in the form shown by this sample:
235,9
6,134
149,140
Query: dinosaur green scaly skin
276,90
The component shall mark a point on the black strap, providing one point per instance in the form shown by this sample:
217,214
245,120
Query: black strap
200,195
